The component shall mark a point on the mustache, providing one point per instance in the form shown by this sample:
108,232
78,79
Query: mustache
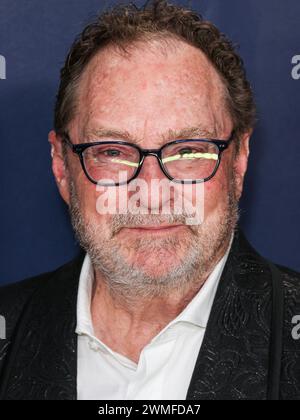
121,221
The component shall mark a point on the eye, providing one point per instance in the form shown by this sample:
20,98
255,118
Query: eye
105,151
190,150
185,150
112,152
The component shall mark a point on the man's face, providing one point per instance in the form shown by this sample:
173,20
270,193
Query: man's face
150,95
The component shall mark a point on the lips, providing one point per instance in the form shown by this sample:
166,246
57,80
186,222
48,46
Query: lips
154,228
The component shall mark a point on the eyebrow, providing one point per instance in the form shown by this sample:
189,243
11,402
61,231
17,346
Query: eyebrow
171,134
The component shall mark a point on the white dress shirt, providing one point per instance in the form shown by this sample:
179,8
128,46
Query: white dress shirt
166,364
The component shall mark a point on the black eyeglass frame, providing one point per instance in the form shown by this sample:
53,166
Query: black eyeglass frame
79,149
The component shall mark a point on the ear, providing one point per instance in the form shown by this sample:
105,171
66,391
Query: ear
241,163
58,166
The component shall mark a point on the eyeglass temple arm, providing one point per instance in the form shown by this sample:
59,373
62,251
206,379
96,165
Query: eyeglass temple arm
224,144
231,138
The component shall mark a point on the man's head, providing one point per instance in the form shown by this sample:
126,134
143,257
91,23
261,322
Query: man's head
151,76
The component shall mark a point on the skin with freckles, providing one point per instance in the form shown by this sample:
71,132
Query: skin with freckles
149,98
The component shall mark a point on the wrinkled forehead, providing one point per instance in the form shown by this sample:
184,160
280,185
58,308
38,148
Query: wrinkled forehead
151,87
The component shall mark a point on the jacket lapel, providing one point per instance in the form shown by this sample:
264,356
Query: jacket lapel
43,360
233,360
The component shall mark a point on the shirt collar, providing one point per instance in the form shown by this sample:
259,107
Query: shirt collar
86,280
196,312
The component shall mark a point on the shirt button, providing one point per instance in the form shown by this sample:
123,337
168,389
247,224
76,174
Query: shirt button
93,345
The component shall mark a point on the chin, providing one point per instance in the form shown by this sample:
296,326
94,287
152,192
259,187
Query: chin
154,272
156,265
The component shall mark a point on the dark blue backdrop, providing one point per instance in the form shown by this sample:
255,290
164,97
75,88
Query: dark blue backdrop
34,37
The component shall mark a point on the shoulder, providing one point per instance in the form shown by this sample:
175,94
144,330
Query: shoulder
291,284
291,287
29,307
289,274
14,297
290,372
249,260
291,291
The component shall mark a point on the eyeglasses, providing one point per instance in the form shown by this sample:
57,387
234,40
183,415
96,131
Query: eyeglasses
187,161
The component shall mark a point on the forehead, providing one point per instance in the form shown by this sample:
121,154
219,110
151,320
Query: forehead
151,89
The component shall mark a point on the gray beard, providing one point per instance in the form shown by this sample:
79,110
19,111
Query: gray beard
129,282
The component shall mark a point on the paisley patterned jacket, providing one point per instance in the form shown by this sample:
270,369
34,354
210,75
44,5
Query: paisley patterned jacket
237,360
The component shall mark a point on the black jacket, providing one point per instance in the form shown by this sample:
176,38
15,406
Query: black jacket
243,355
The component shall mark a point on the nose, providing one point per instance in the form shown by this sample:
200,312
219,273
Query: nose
151,169
155,193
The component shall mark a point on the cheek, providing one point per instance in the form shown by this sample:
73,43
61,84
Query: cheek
89,199
216,191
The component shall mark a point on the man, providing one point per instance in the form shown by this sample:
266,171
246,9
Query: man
156,307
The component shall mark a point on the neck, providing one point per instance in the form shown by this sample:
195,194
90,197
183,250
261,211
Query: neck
126,326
